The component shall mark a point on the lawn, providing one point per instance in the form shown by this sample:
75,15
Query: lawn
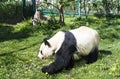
19,45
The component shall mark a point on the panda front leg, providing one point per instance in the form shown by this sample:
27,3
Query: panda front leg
93,56
64,58
70,64
60,63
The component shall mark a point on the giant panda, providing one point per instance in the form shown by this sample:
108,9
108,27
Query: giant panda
83,41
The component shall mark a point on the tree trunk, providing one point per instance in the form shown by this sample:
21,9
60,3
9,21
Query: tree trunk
61,14
106,6
24,8
33,8
85,9
118,8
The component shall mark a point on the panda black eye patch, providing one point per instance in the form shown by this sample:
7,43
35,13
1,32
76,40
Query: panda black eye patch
41,53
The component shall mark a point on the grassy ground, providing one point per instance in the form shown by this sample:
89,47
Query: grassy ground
19,45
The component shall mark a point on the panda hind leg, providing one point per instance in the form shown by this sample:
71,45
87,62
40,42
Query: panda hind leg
93,56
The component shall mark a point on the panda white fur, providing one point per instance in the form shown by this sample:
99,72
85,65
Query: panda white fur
83,40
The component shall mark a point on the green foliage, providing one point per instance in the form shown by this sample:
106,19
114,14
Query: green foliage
11,12
108,8
3,0
19,47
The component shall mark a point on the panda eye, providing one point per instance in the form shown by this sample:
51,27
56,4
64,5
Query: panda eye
41,53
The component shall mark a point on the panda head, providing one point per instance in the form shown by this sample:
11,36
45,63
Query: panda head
45,50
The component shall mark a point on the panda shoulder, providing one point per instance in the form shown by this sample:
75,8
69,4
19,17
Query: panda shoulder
59,34
62,32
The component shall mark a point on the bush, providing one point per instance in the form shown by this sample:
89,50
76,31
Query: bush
11,12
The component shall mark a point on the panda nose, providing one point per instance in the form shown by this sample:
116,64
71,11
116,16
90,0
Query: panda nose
40,57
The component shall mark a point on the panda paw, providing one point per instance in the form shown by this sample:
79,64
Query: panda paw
45,69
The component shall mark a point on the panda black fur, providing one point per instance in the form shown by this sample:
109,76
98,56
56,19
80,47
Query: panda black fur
77,40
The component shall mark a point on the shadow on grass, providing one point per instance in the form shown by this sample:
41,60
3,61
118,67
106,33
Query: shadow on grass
103,53
10,53
7,58
6,33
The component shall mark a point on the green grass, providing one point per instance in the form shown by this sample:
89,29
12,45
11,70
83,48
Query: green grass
19,45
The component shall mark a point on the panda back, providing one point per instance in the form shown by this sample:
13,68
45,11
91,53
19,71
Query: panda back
86,38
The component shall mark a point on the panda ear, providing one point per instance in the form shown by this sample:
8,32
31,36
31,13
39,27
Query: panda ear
46,42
